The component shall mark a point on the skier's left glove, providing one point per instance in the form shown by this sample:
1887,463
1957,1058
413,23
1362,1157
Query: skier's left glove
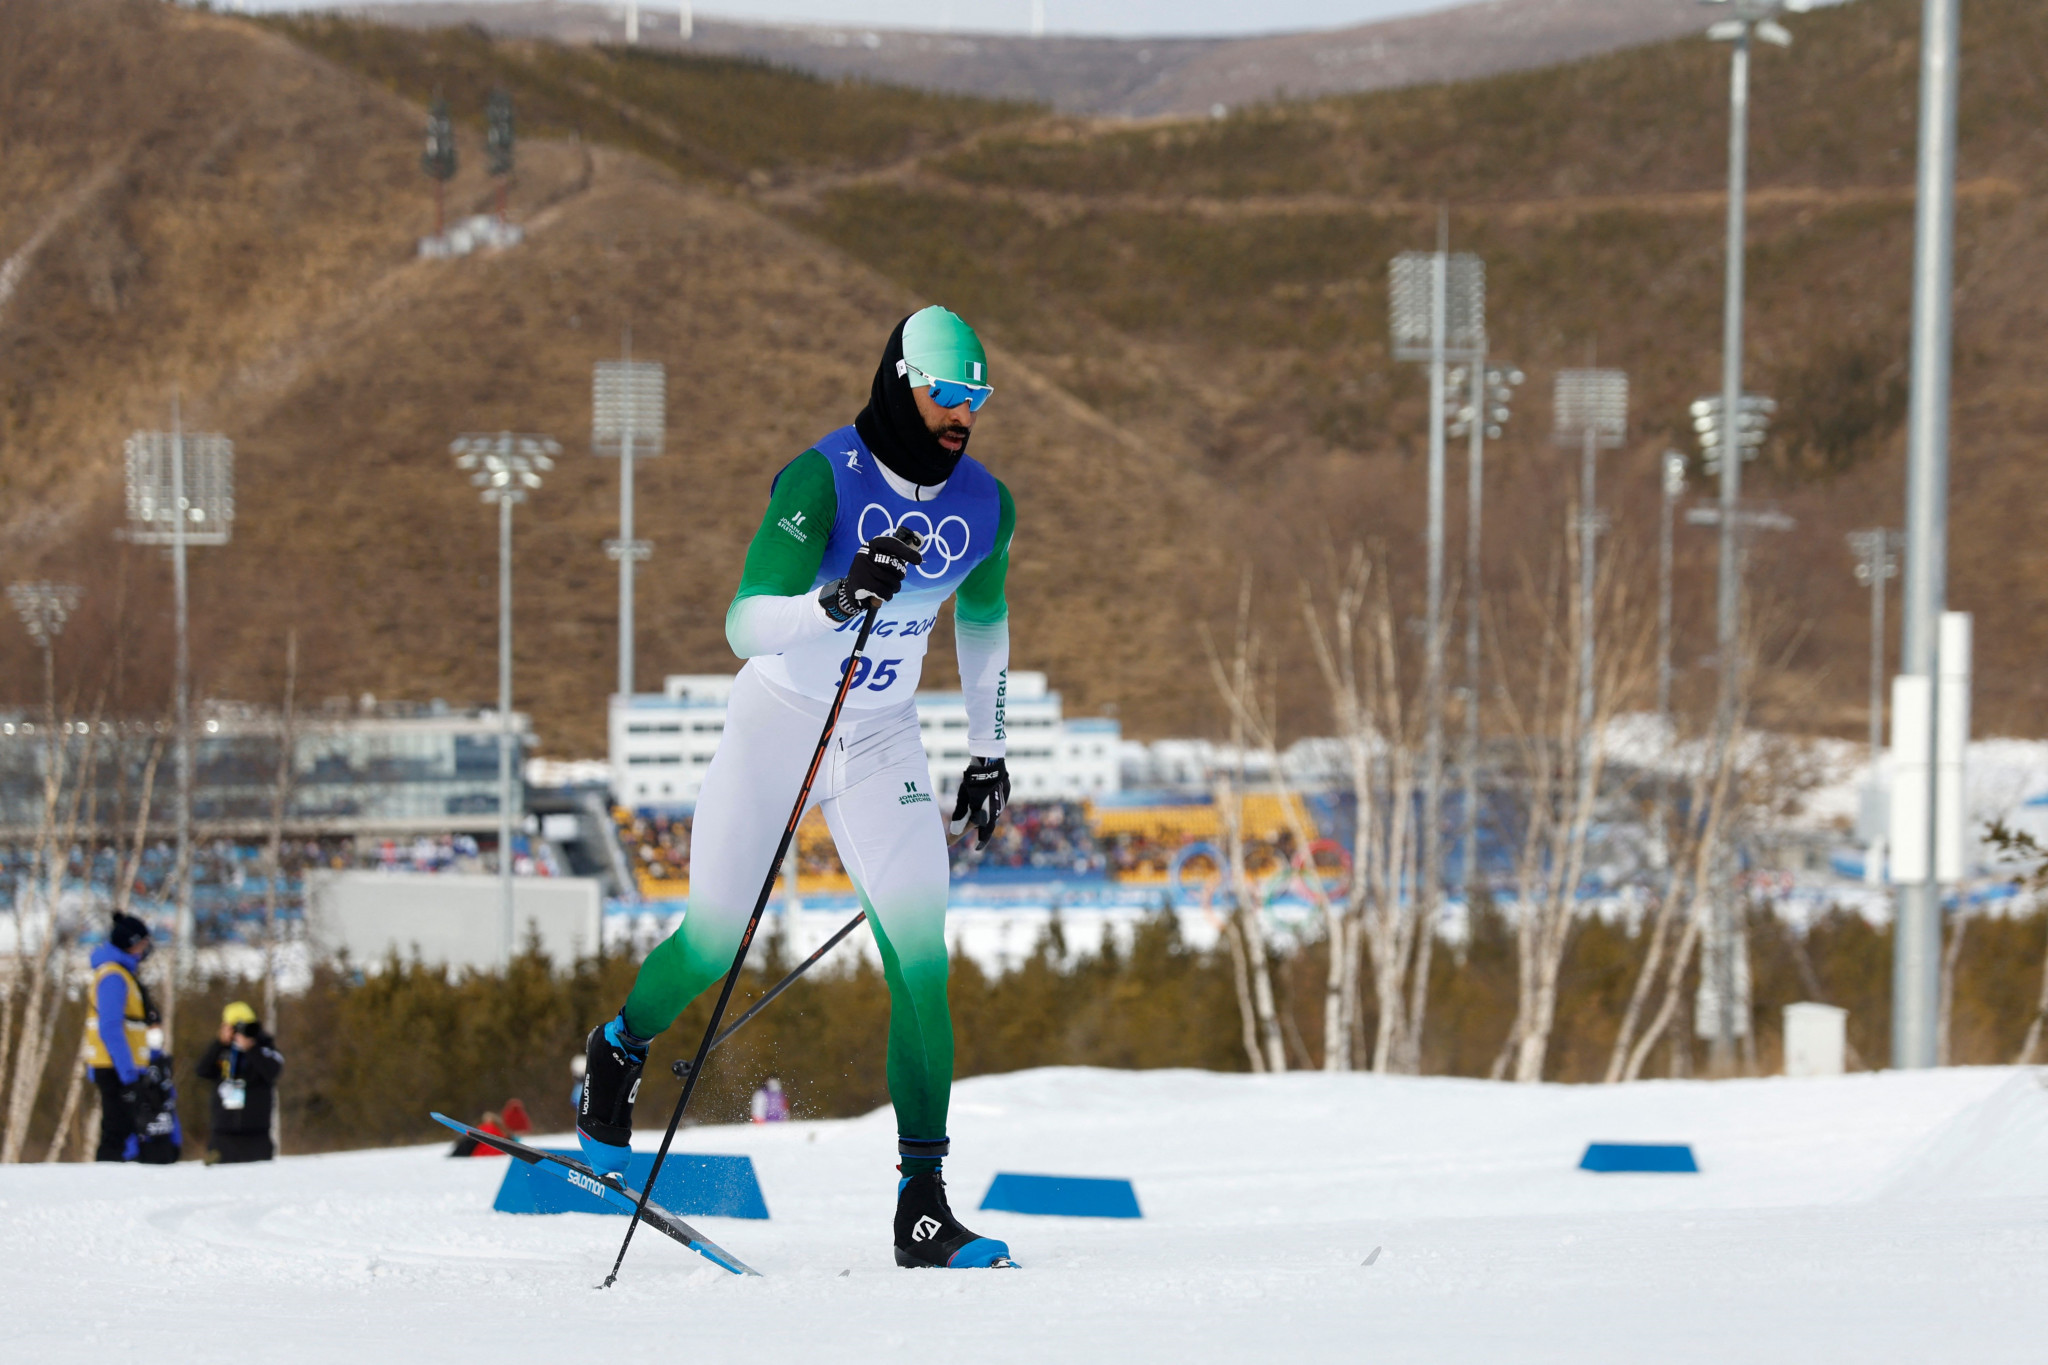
984,791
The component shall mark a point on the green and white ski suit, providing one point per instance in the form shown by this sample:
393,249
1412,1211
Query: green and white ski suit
875,787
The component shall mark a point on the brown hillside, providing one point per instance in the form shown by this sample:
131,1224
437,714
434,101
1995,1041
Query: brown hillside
260,254
1192,316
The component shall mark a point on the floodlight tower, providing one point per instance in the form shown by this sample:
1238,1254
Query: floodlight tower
506,466
628,418
1748,18
44,608
1438,306
439,159
181,492
1672,487
1592,414
1484,416
500,140
1722,448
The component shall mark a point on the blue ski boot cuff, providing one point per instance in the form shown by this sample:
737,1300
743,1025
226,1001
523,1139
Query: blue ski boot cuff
618,1035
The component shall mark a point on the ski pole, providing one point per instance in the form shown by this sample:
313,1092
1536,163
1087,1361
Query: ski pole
739,961
682,1066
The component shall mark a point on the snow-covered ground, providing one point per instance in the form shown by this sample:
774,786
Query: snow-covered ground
1895,1217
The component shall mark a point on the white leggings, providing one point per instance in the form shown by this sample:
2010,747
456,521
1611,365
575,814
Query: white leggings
875,788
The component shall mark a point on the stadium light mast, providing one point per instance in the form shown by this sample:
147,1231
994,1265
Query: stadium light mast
439,159
506,466
1592,414
1748,18
500,142
628,418
44,608
181,492
1671,486
1483,417
1438,306
1916,938
1724,974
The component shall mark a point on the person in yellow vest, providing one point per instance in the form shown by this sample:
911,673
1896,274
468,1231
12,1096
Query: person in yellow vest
138,1103
242,1066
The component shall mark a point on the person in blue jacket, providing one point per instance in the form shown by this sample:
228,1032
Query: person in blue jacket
138,1104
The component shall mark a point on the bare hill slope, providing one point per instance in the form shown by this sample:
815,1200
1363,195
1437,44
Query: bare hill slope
252,247
1192,316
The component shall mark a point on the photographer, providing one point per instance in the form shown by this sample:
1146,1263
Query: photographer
242,1066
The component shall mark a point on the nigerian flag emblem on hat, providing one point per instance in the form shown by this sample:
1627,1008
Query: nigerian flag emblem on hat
937,343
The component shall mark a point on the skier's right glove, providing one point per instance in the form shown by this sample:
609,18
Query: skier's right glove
876,572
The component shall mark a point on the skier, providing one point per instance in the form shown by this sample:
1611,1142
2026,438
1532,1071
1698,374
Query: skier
824,551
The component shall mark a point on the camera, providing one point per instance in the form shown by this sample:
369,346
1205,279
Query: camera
249,1028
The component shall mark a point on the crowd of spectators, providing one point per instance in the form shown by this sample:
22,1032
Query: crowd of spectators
1052,837
658,845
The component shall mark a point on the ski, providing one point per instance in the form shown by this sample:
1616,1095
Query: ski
609,1188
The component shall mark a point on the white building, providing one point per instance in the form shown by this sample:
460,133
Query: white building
661,742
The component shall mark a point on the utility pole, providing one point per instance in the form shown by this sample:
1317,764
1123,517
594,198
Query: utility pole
1438,306
180,493
506,466
1750,18
628,418
1877,561
1916,938
1482,418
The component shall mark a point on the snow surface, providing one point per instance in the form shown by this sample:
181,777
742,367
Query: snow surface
1891,1217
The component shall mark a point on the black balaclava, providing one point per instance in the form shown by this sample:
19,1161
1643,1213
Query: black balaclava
894,429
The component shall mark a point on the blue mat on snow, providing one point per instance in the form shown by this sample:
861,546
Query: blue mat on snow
1068,1196
1666,1158
690,1185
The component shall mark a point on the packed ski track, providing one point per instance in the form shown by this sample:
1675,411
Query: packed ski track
1895,1217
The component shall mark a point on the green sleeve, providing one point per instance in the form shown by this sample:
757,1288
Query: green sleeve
980,598
786,551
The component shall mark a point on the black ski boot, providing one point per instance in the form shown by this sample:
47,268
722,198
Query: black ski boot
613,1059
929,1236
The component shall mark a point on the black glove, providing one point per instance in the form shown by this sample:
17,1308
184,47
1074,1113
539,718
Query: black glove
144,1100
876,572
984,791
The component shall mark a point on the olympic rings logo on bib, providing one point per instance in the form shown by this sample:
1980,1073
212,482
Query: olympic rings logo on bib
937,544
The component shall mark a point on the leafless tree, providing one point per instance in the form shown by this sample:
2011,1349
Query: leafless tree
1353,642
1563,755
1236,680
35,1033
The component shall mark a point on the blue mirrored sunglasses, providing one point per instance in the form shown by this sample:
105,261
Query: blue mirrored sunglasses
950,393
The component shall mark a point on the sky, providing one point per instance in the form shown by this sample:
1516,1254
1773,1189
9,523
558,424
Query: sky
1095,18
